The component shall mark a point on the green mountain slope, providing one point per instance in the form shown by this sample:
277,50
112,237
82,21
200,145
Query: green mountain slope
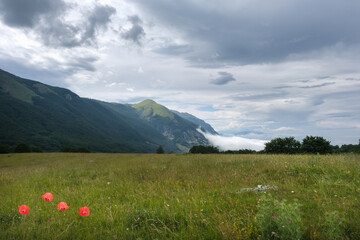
53,118
170,125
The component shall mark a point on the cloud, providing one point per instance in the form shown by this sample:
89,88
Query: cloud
136,33
47,19
27,13
175,49
283,129
319,85
259,97
223,79
57,32
241,32
234,143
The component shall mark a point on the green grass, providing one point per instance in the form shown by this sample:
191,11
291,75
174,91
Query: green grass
145,196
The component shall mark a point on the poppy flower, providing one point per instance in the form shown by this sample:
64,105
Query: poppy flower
62,206
84,211
24,210
47,197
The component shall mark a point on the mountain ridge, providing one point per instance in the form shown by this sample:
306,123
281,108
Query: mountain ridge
53,117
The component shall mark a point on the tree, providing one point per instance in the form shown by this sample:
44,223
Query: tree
160,150
22,148
315,145
288,145
4,148
203,149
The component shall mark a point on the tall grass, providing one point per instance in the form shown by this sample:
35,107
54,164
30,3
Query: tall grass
145,196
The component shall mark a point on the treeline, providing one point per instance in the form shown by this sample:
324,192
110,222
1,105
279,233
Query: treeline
26,148
309,145
210,149
287,145
19,148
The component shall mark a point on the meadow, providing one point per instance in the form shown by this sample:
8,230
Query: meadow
168,196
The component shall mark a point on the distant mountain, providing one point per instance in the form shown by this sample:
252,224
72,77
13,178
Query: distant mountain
201,123
171,125
53,118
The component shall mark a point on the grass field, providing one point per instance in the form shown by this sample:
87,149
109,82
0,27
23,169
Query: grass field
145,196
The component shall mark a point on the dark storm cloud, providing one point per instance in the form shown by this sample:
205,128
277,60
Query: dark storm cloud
136,33
56,32
46,18
257,31
223,79
26,13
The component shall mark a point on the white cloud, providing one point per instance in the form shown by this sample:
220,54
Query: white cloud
234,143
284,129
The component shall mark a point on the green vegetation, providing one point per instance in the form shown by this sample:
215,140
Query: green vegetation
309,145
204,149
192,196
150,108
160,150
286,145
319,145
53,118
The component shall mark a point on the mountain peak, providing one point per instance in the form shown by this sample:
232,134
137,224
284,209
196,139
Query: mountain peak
149,108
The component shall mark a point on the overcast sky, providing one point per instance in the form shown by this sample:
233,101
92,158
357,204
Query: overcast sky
251,68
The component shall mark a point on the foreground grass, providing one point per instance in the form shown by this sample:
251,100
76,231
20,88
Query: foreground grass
134,196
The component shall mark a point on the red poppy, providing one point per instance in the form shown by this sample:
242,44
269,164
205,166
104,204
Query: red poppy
84,211
62,206
24,210
47,197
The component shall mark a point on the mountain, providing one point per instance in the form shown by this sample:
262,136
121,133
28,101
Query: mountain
171,125
53,118
199,122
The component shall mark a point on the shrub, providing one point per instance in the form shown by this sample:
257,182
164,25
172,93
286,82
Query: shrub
287,145
279,219
315,145
160,150
75,149
203,149
22,148
4,148
36,149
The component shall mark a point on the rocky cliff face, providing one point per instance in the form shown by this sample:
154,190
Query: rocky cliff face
177,129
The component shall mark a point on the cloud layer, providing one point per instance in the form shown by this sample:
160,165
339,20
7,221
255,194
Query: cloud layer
234,143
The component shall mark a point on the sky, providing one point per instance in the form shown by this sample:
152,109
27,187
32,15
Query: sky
253,69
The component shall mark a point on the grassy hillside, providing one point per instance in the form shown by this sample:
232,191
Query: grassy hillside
53,118
177,129
150,108
139,196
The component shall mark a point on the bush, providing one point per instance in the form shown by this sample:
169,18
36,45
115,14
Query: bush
22,148
4,148
36,149
203,149
287,145
75,150
160,150
279,219
316,145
